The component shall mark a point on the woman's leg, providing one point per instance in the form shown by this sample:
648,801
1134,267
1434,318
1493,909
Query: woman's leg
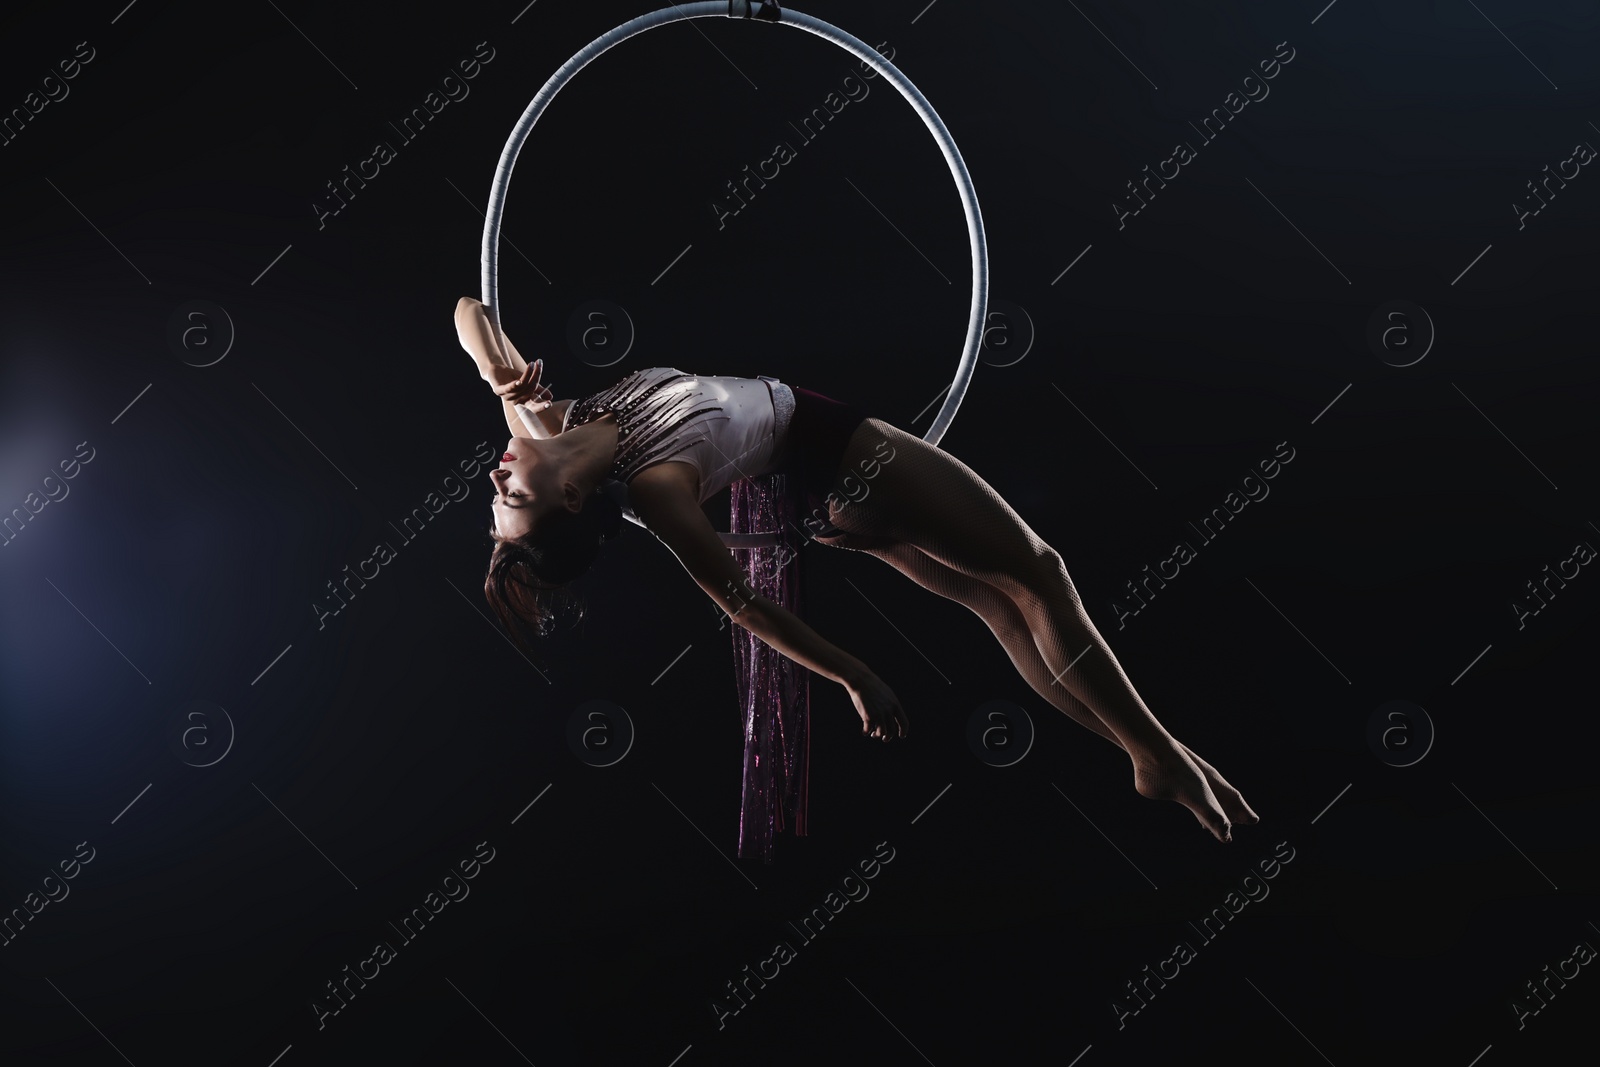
997,611
927,498
1006,621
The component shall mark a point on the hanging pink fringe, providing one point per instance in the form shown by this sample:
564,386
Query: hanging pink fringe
775,690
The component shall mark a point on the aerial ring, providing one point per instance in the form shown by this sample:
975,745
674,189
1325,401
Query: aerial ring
787,17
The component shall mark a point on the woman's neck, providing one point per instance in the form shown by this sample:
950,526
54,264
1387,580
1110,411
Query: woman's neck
590,449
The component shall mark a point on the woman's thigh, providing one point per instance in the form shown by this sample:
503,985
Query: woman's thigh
982,599
895,487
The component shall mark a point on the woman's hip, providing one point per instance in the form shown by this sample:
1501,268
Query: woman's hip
820,431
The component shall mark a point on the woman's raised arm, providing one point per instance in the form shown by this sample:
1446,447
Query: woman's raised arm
500,366
476,334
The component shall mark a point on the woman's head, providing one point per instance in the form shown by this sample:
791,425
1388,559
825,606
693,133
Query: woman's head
532,483
547,530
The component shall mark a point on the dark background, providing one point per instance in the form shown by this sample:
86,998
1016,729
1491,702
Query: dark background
1230,315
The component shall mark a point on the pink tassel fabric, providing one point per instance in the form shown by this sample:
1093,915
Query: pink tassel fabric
775,690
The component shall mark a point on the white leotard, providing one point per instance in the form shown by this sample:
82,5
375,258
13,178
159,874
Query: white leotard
725,427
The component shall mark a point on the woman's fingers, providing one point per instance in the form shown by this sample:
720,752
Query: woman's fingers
887,731
525,387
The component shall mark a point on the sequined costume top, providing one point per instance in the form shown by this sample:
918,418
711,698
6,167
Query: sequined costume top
727,428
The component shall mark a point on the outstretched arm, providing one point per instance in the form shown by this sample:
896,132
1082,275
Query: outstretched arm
669,510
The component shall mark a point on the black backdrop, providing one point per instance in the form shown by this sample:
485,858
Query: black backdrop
1359,212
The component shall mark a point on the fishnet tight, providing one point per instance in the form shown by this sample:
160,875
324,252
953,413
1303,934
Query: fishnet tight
932,518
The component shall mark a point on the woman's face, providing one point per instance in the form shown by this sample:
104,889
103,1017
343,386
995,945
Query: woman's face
527,485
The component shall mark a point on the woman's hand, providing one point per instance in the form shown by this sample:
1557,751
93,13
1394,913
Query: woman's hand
524,388
881,714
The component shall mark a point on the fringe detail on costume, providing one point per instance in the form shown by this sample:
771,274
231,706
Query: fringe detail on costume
646,420
774,689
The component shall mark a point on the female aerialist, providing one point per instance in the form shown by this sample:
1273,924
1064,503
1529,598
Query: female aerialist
675,439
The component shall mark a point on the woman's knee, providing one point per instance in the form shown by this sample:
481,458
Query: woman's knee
1041,581
1007,622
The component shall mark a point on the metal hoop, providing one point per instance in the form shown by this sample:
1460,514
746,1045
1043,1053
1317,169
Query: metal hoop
788,17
